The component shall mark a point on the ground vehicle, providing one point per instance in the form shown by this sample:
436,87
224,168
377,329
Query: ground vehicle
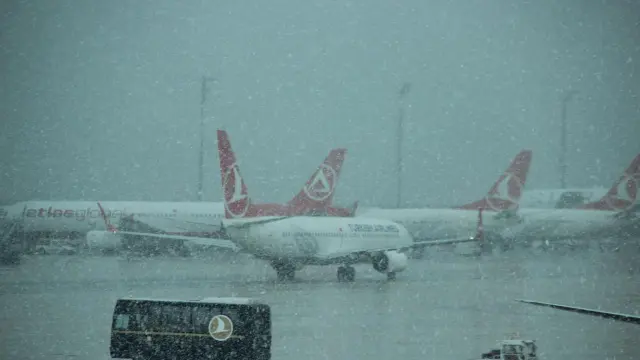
12,244
54,247
514,349
212,328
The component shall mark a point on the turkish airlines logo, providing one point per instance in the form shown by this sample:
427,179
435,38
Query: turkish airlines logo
506,194
625,195
236,199
322,184
221,328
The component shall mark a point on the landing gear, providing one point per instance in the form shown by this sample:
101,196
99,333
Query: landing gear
346,273
391,276
286,272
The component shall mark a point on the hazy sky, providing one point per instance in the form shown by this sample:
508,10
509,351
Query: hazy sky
100,99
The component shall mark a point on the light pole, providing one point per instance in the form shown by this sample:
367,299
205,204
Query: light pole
566,97
203,92
404,90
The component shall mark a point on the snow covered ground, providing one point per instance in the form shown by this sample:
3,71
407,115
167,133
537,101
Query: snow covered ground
441,307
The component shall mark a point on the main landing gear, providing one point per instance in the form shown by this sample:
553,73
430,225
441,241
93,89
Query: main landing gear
286,272
346,273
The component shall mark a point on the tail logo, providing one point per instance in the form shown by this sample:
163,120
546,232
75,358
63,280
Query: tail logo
221,328
322,184
506,193
236,199
625,195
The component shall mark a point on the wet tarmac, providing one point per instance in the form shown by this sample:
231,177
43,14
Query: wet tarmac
445,306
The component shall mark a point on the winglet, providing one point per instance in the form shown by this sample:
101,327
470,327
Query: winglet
107,222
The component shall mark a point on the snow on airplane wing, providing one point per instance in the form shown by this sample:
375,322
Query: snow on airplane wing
167,225
170,230
633,319
246,222
417,244
206,241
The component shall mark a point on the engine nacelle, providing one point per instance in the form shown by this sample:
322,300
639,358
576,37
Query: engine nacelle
390,262
103,240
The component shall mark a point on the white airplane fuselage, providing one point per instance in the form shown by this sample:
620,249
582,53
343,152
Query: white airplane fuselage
84,216
427,223
318,240
562,224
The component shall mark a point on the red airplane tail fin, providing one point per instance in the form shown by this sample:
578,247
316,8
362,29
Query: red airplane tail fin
623,195
318,192
236,196
105,218
506,192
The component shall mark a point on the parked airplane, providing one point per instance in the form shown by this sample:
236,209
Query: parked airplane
501,201
291,242
314,199
76,219
612,215
627,318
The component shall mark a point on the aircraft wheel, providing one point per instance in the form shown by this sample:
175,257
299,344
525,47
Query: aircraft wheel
286,275
286,272
391,276
346,274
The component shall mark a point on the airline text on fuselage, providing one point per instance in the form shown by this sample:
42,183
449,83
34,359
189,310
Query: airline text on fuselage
78,214
373,228
89,213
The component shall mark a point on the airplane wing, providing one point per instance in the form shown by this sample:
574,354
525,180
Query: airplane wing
206,241
246,222
170,230
417,244
633,319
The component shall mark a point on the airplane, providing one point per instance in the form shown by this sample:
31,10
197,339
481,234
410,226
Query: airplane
502,200
627,318
77,220
314,199
612,215
290,242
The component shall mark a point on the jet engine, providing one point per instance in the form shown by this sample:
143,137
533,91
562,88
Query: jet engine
102,240
390,262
